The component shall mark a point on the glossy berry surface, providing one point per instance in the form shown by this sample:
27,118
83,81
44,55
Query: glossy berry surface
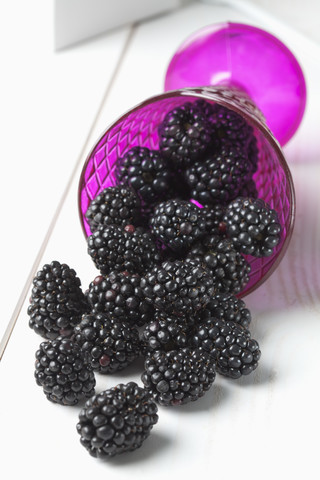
147,172
218,177
57,301
179,288
110,344
178,376
62,370
229,270
253,226
229,344
117,205
184,135
117,420
177,223
228,307
113,247
119,294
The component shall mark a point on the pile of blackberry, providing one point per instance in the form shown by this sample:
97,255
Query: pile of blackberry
170,263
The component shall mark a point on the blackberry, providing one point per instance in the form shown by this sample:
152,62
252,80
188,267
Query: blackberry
117,420
177,223
229,344
218,177
147,172
253,226
110,344
57,301
214,217
63,372
229,127
178,288
184,135
178,376
114,206
228,268
228,307
131,249
206,107
120,295
165,332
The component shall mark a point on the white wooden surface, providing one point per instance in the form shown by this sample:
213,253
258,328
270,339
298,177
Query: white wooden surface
263,426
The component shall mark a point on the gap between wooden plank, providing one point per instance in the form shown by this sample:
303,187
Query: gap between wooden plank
7,334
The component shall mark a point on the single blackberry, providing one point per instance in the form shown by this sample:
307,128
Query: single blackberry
110,344
178,376
177,223
253,226
229,344
165,332
229,127
218,177
228,307
114,206
62,370
120,295
228,268
131,249
184,135
57,301
178,288
147,172
117,420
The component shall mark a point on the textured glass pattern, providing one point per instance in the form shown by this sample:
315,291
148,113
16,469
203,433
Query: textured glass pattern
140,127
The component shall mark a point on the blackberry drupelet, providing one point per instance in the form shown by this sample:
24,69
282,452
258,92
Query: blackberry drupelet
109,343
114,206
177,223
165,332
228,268
178,288
218,177
120,295
229,127
228,307
113,247
147,172
229,344
178,376
117,420
57,301
184,135
62,370
214,219
253,226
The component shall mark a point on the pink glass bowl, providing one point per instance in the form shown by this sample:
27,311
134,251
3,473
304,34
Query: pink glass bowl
139,126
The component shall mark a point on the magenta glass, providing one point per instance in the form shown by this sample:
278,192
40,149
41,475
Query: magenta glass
140,127
239,67
250,59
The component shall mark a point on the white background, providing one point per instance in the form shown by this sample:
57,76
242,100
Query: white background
54,106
